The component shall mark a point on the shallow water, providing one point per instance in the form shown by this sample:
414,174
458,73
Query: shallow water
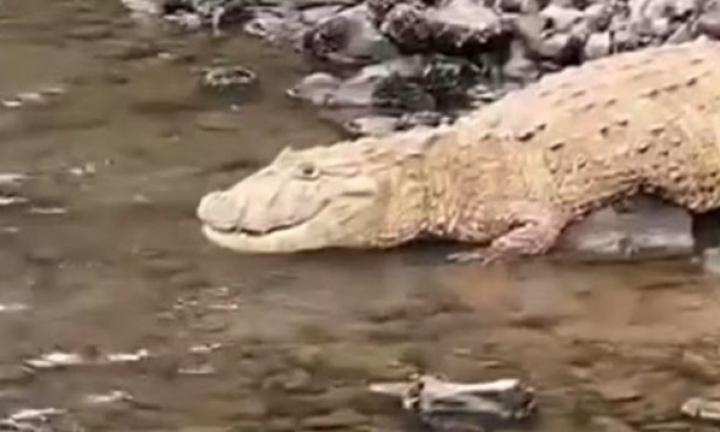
108,257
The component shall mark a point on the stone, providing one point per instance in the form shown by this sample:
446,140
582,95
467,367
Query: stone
649,229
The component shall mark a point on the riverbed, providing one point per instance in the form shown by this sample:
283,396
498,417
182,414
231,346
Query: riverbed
101,253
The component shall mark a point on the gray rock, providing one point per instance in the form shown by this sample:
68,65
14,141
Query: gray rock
598,45
561,18
348,37
650,229
315,88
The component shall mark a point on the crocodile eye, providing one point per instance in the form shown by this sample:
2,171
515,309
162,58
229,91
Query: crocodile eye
308,171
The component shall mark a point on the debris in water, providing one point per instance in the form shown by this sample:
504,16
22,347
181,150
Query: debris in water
221,306
205,369
227,77
8,200
55,359
11,103
85,170
128,357
105,398
13,307
32,97
12,178
29,420
205,348
61,359
436,401
702,408
48,210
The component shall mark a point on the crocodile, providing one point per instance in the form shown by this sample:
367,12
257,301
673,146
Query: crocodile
505,179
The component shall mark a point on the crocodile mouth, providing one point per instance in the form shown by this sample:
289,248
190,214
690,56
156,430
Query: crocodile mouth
288,238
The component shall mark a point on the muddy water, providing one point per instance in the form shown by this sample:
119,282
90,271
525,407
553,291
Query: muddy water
107,257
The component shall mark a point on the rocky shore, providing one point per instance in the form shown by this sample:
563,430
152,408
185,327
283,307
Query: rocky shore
384,65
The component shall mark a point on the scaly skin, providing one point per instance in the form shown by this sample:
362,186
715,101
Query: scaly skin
511,175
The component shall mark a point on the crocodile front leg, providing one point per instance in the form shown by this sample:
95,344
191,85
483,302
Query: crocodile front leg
528,228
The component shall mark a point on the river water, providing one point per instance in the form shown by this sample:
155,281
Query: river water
102,254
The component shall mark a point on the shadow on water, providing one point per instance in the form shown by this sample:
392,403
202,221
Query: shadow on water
107,257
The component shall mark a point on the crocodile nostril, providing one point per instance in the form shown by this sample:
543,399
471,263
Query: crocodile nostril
219,211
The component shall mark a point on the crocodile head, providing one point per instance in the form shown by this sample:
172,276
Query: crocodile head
359,194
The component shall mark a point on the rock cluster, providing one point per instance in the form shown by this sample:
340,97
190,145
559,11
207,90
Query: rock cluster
391,64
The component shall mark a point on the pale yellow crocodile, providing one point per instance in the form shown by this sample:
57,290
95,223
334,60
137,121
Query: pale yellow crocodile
510,176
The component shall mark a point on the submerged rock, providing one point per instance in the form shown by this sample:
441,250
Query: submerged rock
646,229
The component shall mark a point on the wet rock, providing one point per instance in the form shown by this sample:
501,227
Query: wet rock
316,88
361,88
349,37
648,229
371,126
598,45
709,24
447,27
598,16
561,19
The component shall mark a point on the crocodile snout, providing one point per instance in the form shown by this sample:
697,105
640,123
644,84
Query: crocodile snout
219,211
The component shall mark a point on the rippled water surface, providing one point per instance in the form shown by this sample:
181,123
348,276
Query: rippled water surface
101,254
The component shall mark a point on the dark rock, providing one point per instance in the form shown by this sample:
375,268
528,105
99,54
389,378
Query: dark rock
447,27
709,25
649,229
348,37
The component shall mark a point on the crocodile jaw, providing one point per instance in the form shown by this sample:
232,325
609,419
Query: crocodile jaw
291,239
